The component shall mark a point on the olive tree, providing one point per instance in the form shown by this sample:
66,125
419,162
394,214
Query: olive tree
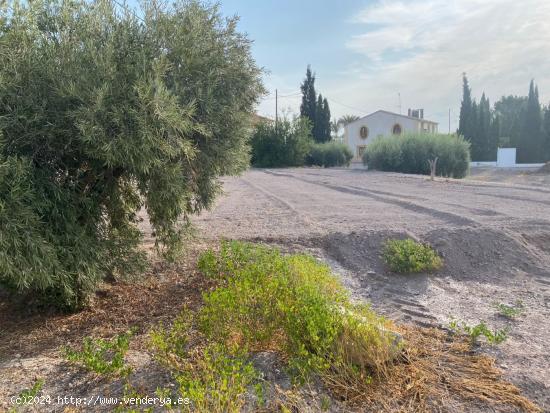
106,110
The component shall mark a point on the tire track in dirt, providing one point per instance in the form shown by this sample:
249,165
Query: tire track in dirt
391,199
284,204
401,201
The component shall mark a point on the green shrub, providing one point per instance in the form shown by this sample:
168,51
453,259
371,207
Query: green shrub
284,144
291,304
329,154
410,153
409,256
103,356
103,113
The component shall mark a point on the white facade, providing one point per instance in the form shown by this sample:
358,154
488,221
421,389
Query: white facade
363,131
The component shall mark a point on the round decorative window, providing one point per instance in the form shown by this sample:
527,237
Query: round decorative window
396,130
364,132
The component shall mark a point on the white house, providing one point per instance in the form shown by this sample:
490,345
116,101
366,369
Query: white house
358,134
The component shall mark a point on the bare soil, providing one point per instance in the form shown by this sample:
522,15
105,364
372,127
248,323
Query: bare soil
494,238
528,176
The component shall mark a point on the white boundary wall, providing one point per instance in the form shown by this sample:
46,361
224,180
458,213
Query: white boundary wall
506,158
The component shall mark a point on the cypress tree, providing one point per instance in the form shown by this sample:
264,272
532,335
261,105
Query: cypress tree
315,109
483,126
309,97
464,128
531,134
511,111
321,126
318,120
546,140
326,120
473,131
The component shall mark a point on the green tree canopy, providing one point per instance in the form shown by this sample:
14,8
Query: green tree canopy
315,109
284,144
546,137
103,113
465,124
530,148
309,97
321,126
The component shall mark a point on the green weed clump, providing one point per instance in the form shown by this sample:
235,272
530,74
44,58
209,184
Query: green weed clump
103,356
409,256
496,336
510,311
27,397
290,304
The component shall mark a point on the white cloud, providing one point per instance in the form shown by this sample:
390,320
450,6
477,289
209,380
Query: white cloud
420,48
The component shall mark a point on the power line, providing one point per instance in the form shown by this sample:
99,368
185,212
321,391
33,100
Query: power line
283,96
329,99
347,106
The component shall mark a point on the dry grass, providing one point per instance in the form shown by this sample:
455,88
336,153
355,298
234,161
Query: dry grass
158,297
436,373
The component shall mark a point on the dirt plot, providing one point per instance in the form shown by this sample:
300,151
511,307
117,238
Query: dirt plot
529,176
493,236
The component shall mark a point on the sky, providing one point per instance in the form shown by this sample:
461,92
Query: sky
394,55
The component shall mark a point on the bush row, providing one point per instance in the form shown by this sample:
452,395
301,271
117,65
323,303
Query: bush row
410,153
290,143
329,154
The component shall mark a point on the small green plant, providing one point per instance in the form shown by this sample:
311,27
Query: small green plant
131,393
454,326
510,311
214,377
493,337
217,380
27,396
496,336
409,256
259,391
325,403
103,356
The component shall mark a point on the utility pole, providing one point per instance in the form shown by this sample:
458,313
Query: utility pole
449,121
399,95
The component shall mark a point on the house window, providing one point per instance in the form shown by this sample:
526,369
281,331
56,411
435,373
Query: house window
396,130
361,151
364,132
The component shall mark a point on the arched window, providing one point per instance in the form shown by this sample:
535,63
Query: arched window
396,130
364,132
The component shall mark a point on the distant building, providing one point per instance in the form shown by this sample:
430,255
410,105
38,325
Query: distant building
358,134
256,119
